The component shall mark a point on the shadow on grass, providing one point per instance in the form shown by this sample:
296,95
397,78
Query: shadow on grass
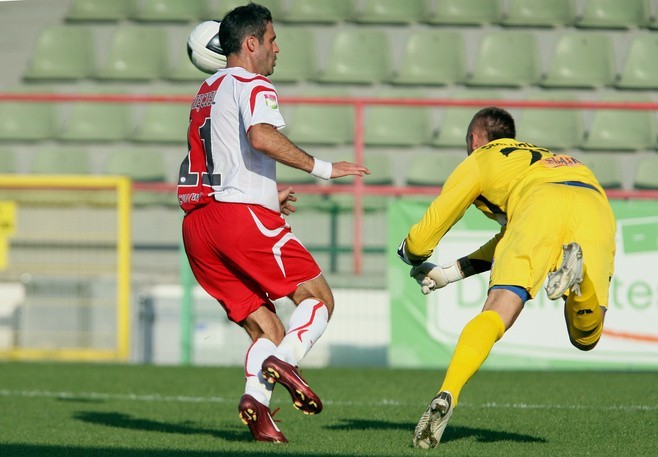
120,420
452,433
33,450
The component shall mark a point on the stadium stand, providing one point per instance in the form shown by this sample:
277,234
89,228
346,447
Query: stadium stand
168,10
296,61
426,47
164,122
276,7
413,125
615,14
358,56
99,10
507,58
450,130
321,124
582,60
143,165
640,69
559,129
97,122
137,52
28,121
63,52
432,168
61,160
539,13
606,168
319,11
432,57
392,11
646,173
7,161
467,12
622,130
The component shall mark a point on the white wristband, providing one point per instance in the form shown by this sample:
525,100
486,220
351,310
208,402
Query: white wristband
322,169
453,273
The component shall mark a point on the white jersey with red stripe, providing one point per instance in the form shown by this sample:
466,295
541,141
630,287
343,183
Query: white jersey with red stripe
221,163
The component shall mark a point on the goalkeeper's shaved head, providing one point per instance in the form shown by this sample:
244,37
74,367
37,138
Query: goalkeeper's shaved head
489,124
495,122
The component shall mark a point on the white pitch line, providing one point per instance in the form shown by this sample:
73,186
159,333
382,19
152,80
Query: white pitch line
383,402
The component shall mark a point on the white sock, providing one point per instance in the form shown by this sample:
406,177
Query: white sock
307,323
255,384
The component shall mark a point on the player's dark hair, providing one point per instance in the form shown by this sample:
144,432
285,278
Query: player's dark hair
239,23
496,122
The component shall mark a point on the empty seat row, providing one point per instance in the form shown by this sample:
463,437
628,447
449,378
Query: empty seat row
533,13
363,56
384,125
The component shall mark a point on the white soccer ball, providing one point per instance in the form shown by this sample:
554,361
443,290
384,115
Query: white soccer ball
204,49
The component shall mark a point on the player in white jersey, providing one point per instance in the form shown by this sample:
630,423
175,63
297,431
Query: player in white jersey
240,249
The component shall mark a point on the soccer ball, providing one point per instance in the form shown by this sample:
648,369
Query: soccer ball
204,49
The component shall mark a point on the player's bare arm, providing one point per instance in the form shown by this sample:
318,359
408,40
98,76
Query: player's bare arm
268,139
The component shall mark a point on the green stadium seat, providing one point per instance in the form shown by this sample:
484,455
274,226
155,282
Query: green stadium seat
552,128
28,121
387,125
640,69
606,168
61,161
467,12
165,122
97,122
63,52
432,57
319,11
321,124
169,10
137,52
7,161
452,128
276,7
623,130
99,10
182,70
143,166
382,173
582,60
615,14
646,174
540,13
432,168
296,61
392,11
358,56
507,59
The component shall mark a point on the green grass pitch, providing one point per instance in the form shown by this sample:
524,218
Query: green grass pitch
49,409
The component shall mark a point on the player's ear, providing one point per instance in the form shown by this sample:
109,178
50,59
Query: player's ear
251,42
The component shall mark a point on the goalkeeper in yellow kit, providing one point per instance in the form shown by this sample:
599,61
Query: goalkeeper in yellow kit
556,222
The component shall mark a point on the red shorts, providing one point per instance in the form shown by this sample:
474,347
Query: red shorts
245,256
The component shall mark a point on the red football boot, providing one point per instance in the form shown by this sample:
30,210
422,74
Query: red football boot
303,398
257,416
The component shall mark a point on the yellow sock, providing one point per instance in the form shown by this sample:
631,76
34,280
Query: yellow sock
473,347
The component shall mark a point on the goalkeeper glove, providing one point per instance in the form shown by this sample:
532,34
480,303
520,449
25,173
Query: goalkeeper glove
430,277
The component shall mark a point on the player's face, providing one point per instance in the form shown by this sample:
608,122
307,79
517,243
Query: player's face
267,51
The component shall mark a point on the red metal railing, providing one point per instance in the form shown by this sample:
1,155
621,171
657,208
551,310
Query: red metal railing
357,189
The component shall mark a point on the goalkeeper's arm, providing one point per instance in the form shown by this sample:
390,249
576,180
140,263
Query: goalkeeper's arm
431,276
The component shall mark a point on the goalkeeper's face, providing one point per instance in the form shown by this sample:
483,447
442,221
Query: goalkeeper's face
267,50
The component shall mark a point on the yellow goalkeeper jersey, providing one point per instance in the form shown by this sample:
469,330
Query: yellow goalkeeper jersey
494,178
